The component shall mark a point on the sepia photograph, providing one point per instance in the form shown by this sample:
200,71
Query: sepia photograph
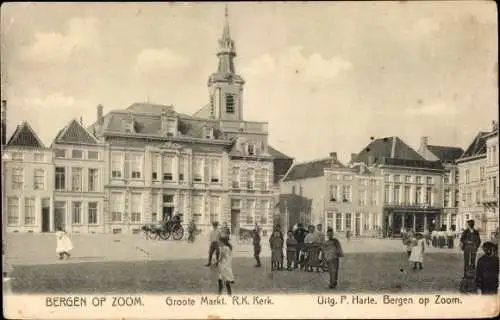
185,159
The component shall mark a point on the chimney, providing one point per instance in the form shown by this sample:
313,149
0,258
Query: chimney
164,121
100,117
423,142
353,157
333,158
371,160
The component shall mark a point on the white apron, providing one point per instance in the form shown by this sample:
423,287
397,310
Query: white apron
225,264
63,242
417,252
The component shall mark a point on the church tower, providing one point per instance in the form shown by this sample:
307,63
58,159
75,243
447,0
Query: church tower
225,86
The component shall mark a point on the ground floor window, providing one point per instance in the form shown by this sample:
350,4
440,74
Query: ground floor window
348,221
76,212
29,211
338,222
92,213
13,211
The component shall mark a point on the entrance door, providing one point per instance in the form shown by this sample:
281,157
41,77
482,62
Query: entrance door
45,215
168,212
235,221
60,214
397,223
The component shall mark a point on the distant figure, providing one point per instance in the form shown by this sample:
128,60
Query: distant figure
224,265
450,238
64,245
256,245
276,244
333,252
417,251
300,235
470,242
191,231
214,243
348,234
291,251
487,270
407,241
316,253
427,237
434,237
308,241
225,231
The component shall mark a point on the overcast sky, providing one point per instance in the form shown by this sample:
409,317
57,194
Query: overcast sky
326,76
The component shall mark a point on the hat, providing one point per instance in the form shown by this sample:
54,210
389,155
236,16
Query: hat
489,245
330,229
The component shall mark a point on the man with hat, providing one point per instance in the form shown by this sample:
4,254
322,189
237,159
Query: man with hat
470,242
214,238
487,270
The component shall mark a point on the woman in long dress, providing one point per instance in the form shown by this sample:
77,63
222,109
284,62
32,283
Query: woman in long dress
224,265
417,252
64,245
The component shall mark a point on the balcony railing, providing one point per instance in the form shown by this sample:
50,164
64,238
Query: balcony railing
412,205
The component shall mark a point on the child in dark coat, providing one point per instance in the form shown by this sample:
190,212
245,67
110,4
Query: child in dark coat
291,251
276,243
487,270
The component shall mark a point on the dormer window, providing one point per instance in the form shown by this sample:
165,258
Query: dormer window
209,133
171,127
251,149
129,126
229,103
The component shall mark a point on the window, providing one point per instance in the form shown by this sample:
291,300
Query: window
135,207
467,176
333,193
116,165
116,200
265,179
406,195
374,221
92,214
168,198
429,180
60,178
250,179
171,127
29,211
76,179
418,179
348,221
93,155
457,198
481,173
13,211
362,197
478,196
397,178
214,209
155,158
250,211
181,169
77,154
93,180
446,179
76,212
446,200
17,156
229,103
39,179
197,208
60,153
264,206
39,157
198,170
168,167
386,194
17,178
251,149
135,166
386,177
346,193
236,177
408,179
418,195
366,221
396,194
428,196
209,133
215,170
293,189
494,186
60,211
338,222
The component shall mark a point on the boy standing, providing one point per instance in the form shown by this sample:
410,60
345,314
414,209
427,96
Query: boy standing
214,243
256,245
487,270
333,252
276,244
291,251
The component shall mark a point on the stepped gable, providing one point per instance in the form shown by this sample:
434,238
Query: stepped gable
24,136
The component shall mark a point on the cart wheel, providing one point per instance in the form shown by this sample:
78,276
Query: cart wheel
164,235
178,233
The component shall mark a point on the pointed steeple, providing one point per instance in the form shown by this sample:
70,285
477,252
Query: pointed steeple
227,50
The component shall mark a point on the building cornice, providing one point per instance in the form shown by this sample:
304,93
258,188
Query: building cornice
471,158
114,134
410,168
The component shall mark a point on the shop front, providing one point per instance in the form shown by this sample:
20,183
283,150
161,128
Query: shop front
397,220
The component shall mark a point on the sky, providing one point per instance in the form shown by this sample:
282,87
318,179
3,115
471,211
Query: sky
326,76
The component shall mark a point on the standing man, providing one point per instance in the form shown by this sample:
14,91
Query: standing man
214,243
256,245
191,231
299,235
225,231
333,252
470,242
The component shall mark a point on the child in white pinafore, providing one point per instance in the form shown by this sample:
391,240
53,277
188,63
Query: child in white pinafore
224,265
417,252
64,245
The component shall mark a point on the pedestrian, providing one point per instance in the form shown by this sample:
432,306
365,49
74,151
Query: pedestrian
256,245
333,252
225,231
442,237
407,241
417,251
291,251
319,240
308,246
470,242
64,245
300,235
348,234
487,270
427,237
450,238
278,229
434,236
224,265
191,231
276,244
214,238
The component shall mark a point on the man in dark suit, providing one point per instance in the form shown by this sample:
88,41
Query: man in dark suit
300,235
470,242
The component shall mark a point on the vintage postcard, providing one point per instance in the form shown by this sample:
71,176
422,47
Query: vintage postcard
190,160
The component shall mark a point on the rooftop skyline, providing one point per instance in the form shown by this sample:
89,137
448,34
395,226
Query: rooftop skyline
325,76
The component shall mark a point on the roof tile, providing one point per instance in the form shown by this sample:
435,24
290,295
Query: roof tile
25,136
74,132
477,147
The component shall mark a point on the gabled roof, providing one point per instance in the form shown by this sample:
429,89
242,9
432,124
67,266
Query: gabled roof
75,133
204,112
477,147
281,161
312,169
388,147
446,154
25,136
277,154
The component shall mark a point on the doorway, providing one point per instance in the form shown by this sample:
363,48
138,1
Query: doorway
168,212
357,224
235,221
397,223
60,214
45,215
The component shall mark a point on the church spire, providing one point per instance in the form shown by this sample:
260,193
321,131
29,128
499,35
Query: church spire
227,50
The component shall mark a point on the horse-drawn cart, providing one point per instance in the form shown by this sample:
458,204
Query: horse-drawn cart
164,229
